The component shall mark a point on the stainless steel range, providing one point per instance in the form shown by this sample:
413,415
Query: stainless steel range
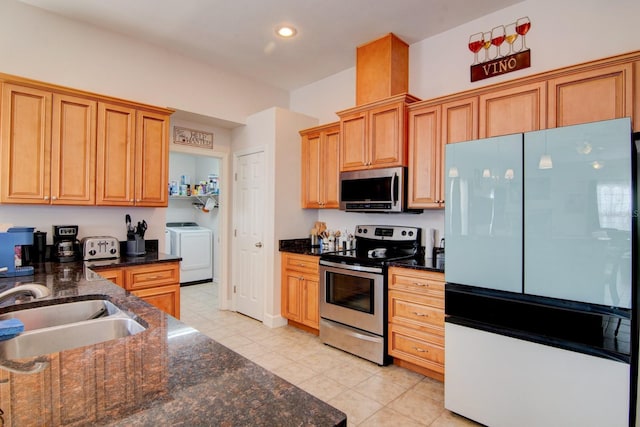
353,289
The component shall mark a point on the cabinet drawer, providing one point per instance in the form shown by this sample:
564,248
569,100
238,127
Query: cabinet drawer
304,263
416,311
424,282
415,347
152,275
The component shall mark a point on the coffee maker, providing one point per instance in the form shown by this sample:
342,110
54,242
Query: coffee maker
66,247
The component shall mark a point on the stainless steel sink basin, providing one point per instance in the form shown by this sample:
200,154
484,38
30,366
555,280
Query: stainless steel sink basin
66,326
61,314
43,341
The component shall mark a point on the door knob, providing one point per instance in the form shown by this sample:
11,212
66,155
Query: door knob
259,245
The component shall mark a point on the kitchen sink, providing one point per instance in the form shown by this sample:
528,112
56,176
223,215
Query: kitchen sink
66,326
61,314
43,341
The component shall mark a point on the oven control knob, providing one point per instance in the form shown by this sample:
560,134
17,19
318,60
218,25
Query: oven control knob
404,232
411,233
365,231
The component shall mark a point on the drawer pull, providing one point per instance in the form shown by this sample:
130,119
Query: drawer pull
154,277
420,284
301,265
420,314
420,350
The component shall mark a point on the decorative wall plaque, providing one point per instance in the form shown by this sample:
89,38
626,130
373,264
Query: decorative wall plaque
495,60
192,137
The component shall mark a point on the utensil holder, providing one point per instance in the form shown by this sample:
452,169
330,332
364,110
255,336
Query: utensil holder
136,247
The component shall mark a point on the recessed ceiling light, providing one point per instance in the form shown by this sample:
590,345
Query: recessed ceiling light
286,31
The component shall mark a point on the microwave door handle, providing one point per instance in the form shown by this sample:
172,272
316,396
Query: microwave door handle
394,186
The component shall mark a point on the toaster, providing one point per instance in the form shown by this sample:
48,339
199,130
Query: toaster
100,247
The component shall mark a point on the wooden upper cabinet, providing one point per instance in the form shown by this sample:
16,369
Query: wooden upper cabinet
513,110
63,146
353,145
152,159
133,157
73,150
592,95
460,120
115,155
374,136
387,136
25,132
424,157
320,166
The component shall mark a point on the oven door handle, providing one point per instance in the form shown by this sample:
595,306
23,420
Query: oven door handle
351,267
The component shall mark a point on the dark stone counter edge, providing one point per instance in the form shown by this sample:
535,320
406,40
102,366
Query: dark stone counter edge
303,247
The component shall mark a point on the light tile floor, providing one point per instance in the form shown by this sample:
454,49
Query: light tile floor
370,395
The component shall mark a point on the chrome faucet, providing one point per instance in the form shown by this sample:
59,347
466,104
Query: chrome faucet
30,289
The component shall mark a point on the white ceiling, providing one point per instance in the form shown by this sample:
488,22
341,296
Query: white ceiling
238,35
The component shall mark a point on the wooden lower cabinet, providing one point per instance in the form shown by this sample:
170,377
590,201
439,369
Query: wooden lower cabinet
416,320
158,284
300,291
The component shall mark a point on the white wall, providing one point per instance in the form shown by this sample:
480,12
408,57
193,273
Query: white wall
46,47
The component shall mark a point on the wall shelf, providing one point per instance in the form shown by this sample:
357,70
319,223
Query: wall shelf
202,198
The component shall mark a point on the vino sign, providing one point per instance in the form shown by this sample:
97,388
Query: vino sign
499,66
496,61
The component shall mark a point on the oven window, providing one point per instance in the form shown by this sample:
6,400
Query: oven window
352,292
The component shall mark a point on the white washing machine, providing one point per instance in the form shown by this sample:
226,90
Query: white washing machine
195,245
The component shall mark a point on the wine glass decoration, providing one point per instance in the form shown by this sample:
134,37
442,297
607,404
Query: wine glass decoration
497,38
476,42
523,25
498,35
510,36
486,38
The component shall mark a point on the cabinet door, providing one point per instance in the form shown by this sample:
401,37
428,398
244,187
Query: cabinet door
387,135
424,157
152,159
291,304
115,155
590,96
165,298
116,275
310,302
330,171
73,151
25,132
460,120
311,171
354,148
514,110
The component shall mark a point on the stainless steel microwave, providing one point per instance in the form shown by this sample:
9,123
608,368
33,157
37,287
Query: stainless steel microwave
374,190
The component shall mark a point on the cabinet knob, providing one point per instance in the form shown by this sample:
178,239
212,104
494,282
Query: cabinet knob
46,197
54,198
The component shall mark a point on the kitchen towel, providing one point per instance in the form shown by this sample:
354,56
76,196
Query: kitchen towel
10,328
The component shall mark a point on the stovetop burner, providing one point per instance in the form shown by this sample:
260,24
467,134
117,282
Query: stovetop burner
379,245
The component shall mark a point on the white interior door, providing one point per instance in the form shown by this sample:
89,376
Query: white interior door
249,255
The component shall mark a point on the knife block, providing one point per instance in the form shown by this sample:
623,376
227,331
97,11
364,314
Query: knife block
136,247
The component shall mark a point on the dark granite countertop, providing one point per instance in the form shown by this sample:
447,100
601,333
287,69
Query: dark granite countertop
169,374
125,261
303,247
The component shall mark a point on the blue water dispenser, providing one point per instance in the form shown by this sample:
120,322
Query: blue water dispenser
11,243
